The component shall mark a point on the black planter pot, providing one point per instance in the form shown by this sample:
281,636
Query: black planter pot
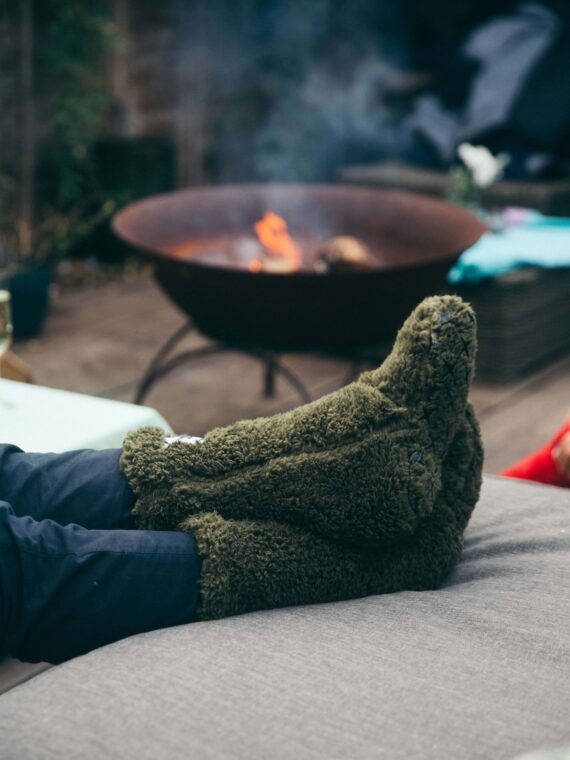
29,290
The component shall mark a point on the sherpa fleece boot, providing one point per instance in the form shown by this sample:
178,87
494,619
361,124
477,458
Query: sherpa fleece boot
362,465
251,565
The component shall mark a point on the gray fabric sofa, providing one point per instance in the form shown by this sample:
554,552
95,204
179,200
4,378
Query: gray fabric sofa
477,669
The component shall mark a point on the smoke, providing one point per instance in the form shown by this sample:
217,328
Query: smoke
332,118
295,90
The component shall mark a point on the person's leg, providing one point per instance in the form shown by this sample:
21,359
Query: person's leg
65,590
362,465
84,487
253,565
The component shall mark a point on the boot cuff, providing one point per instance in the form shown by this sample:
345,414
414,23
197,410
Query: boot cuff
141,462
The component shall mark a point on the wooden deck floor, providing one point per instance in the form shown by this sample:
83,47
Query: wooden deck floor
100,340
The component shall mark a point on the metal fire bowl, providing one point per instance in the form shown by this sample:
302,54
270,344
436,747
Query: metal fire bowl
415,239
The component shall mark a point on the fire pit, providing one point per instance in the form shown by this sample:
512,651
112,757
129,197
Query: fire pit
278,289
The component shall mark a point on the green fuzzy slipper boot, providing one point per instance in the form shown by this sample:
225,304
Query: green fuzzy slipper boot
252,565
362,465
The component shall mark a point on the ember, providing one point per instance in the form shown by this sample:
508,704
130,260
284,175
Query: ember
274,251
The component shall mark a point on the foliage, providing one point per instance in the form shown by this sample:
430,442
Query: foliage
463,189
76,38
71,42
480,170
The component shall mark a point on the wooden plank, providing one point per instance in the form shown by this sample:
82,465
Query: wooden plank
526,419
490,397
13,368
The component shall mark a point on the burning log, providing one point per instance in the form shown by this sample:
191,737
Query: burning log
345,254
274,251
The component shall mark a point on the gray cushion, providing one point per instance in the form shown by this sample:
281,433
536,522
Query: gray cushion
477,669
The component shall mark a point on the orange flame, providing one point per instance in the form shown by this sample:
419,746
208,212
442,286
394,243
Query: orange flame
273,235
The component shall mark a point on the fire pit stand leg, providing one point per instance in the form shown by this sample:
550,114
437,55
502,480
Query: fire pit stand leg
161,366
269,371
272,367
150,376
173,363
365,359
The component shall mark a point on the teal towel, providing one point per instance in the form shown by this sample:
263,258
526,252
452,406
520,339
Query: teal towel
540,242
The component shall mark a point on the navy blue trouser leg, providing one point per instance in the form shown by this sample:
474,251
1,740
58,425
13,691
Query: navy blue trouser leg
74,575
84,487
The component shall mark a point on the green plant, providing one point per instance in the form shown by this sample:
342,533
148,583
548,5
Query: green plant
479,170
51,196
463,190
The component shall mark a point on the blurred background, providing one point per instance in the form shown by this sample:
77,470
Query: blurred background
104,103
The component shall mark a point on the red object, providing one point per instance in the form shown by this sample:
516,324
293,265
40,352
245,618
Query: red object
540,466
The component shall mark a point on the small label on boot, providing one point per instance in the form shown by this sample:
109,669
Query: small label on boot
182,439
